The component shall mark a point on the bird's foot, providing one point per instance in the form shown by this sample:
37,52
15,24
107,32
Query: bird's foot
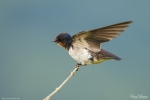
78,66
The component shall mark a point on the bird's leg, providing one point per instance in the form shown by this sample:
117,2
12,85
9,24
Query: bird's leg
78,66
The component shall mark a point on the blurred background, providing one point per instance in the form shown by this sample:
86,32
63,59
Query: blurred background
31,66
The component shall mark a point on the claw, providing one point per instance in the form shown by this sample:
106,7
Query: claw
78,66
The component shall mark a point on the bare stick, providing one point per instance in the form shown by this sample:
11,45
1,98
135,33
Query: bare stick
62,84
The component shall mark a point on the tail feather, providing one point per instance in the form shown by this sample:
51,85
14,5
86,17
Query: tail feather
107,54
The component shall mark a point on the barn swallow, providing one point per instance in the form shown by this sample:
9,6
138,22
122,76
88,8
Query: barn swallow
85,46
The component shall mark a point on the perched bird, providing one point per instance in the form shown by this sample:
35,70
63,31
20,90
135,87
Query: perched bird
85,46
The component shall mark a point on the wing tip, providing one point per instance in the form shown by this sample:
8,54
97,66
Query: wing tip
127,22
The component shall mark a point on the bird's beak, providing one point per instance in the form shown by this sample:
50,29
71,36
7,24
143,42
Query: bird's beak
54,41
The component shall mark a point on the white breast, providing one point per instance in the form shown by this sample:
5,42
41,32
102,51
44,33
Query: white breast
81,55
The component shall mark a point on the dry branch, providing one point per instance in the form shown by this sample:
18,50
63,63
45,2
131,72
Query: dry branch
62,84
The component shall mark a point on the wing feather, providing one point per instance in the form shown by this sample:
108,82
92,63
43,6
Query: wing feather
93,38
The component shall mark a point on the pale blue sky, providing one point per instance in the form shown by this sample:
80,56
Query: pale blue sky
31,66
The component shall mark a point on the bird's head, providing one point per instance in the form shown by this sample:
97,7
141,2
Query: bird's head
64,40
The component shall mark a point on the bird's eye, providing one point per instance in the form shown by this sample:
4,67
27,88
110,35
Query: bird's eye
59,39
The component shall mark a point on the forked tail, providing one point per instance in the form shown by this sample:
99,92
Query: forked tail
106,54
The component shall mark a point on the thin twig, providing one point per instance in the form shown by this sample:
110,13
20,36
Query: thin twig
62,84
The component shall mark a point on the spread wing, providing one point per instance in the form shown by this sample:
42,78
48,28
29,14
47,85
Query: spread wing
93,38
